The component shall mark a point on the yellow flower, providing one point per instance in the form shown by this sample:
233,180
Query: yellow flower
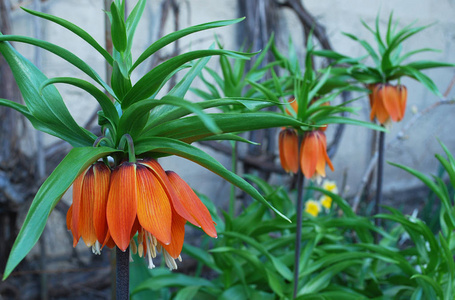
330,186
326,201
312,207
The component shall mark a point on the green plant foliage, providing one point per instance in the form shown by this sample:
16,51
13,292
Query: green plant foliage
389,61
159,126
339,258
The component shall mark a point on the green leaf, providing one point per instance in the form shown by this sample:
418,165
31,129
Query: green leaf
157,283
166,40
433,186
187,293
37,124
175,147
448,167
191,128
59,51
48,107
77,160
428,64
151,81
448,261
180,89
279,266
367,47
323,279
133,20
344,120
76,30
119,38
229,137
132,120
436,287
106,104
201,256
424,79
121,83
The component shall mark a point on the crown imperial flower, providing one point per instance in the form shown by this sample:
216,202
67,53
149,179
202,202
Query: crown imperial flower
313,154
109,208
387,102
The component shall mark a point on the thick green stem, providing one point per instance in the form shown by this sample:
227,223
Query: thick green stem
123,274
298,231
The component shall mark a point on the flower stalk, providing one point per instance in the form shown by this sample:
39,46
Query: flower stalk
122,273
298,231
378,198
126,138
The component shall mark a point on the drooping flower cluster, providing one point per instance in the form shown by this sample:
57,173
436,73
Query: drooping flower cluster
110,207
387,102
312,157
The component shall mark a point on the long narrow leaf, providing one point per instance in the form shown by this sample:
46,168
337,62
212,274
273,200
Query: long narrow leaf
175,147
63,53
192,129
106,104
47,107
151,81
166,40
76,30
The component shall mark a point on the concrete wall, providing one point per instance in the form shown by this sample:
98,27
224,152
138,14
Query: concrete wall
416,150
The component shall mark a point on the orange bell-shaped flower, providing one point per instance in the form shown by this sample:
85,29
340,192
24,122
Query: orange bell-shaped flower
313,154
387,102
86,217
161,203
288,144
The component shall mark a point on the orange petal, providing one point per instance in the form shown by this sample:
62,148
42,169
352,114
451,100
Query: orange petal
86,227
323,157
159,173
109,242
121,204
136,228
288,144
403,96
102,179
309,154
192,204
371,87
69,217
153,205
378,110
391,100
69,223
178,235
77,195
